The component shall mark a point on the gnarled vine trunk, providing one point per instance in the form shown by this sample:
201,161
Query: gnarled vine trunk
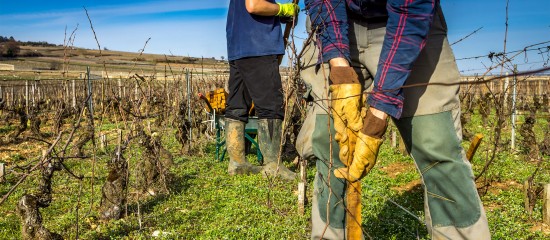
28,207
113,192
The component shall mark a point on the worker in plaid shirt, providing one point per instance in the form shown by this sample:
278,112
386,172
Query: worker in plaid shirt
379,47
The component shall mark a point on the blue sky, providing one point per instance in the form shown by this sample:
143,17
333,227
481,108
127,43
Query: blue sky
197,28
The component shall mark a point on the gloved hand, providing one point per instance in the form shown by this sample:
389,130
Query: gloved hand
368,143
288,9
346,109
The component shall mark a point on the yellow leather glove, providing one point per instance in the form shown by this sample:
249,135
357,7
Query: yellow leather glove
366,149
364,158
288,9
346,104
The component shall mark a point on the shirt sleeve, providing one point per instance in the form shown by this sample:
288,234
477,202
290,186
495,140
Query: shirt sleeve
329,20
409,22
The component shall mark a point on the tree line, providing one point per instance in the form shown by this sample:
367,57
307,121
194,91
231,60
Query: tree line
10,47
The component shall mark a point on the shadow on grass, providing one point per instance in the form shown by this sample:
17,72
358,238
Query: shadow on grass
115,229
393,222
176,185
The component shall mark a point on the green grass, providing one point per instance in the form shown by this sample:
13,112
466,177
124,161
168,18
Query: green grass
206,203
6,129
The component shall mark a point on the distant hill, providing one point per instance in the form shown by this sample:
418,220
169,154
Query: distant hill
46,56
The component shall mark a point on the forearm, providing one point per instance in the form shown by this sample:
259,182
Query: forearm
408,25
262,7
338,62
330,23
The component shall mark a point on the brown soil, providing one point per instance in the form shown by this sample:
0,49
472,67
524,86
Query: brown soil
394,169
544,228
497,187
413,185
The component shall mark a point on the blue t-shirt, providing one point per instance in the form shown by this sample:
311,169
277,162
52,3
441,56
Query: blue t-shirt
250,35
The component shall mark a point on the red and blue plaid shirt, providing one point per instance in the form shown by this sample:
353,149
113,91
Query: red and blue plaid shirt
407,26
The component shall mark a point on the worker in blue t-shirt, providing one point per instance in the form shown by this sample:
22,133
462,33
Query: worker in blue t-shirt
254,43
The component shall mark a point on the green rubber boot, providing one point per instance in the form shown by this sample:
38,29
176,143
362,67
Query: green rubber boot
269,139
234,140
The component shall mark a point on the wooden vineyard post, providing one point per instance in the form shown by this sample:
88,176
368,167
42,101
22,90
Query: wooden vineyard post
73,90
505,90
302,187
66,86
39,92
119,137
119,82
473,146
33,92
103,93
188,80
136,92
103,142
90,92
393,138
12,96
526,198
27,96
546,205
514,91
539,87
2,172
